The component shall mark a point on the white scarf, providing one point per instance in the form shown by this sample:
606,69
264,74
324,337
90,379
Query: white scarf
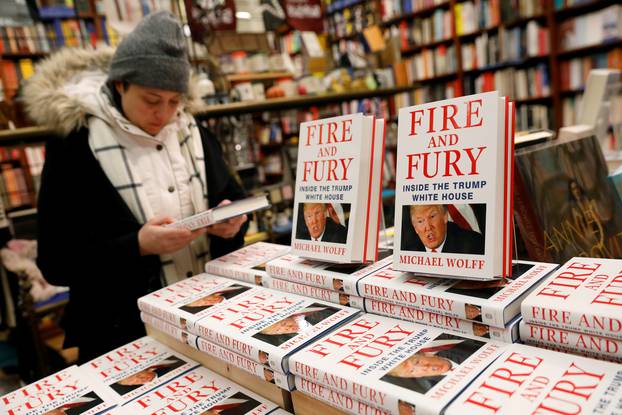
105,139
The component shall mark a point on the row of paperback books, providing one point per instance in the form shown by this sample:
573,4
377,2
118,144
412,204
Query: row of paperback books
143,377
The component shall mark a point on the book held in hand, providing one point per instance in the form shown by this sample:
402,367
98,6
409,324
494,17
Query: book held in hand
222,213
338,189
453,213
530,380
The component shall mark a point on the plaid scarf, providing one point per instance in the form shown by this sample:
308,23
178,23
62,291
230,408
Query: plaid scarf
106,138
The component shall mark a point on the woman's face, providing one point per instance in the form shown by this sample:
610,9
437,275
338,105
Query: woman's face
150,109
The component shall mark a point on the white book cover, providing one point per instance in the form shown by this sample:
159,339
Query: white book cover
338,400
136,368
187,301
248,263
494,303
338,181
268,325
531,380
331,276
508,334
199,392
395,365
67,391
584,295
597,347
331,296
452,175
263,372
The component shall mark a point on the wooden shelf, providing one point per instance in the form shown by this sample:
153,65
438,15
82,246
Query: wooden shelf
285,103
523,20
416,48
478,32
31,134
582,8
438,78
346,5
532,60
533,100
414,14
262,76
590,49
306,405
23,55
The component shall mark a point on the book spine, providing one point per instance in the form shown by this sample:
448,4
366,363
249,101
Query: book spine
337,400
598,347
247,365
588,323
246,275
316,292
163,326
159,312
317,279
456,325
195,222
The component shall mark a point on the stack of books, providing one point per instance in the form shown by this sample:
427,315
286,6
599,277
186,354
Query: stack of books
577,310
250,327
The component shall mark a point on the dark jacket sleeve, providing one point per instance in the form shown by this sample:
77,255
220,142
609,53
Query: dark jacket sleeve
221,185
78,233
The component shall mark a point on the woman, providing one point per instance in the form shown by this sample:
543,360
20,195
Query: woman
128,159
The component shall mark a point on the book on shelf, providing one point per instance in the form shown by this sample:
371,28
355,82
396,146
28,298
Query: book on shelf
248,263
222,213
507,334
393,365
453,199
136,368
583,295
69,389
574,342
262,324
494,303
327,275
221,353
331,296
564,203
337,200
542,381
199,391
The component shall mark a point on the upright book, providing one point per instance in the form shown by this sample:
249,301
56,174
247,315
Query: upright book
494,303
584,295
394,365
530,380
67,391
199,391
247,263
136,368
453,199
337,203
565,204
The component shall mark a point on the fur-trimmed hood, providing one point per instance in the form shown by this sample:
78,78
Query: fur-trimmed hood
51,101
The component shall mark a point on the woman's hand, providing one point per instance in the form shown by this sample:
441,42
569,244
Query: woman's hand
229,228
155,239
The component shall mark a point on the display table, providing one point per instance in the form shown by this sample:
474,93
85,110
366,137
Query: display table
306,405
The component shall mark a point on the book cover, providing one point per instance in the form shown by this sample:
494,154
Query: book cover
268,325
394,365
338,182
452,179
67,391
248,263
222,213
565,206
283,381
199,391
338,400
584,295
331,296
185,302
508,334
597,347
494,303
173,331
531,380
137,367
327,275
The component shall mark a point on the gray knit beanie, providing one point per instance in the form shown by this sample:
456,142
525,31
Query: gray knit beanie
153,55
